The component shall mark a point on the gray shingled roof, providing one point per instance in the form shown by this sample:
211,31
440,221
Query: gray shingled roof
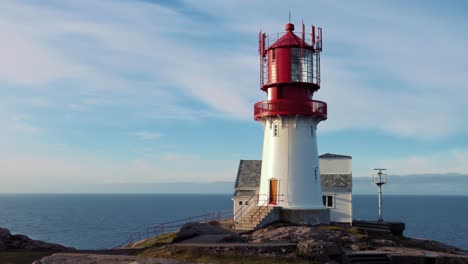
244,193
337,180
334,156
248,175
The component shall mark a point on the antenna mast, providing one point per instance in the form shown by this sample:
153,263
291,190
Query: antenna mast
379,178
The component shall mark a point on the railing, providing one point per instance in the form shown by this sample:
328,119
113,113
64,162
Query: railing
287,107
314,40
172,226
262,208
244,208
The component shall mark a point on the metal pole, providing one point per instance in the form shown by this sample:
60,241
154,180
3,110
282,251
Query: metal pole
380,202
379,181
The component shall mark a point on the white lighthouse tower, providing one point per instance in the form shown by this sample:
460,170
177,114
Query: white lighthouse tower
290,75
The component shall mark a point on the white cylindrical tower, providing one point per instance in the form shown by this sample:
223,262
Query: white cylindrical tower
290,74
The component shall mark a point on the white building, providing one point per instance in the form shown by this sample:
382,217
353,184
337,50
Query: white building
336,185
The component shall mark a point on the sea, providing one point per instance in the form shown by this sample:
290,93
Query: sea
98,221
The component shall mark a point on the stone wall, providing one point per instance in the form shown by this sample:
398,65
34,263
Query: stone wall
305,216
272,217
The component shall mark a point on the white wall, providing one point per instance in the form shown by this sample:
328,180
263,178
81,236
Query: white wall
291,158
237,214
335,166
342,210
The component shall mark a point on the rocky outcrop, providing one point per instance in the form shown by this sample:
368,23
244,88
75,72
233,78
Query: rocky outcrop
309,235
205,233
22,242
334,242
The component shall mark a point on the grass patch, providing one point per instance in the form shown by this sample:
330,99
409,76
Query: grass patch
157,240
326,227
22,257
353,230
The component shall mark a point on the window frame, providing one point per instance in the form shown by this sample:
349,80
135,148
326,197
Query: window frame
275,129
325,200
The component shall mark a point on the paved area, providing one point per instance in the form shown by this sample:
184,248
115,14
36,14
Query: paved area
232,245
77,258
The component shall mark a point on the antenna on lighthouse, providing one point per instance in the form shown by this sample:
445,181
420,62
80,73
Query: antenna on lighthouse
379,178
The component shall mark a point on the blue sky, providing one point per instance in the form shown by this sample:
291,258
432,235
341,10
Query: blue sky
98,92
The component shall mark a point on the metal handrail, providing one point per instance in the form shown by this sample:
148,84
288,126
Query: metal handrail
256,215
242,210
167,227
263,206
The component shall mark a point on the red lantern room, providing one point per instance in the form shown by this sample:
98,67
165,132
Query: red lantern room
290,73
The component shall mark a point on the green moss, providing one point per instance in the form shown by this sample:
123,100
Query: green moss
326,227
157,240
353,230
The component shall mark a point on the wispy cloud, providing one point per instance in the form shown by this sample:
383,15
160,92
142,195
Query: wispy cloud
146,135
454,161
103,52
141,67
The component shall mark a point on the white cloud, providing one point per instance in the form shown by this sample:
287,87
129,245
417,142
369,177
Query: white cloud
152,62
43,173
98,50
385,43
17,124
455,161
146,135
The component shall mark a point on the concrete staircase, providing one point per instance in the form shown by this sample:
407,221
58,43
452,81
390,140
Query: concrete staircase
257,217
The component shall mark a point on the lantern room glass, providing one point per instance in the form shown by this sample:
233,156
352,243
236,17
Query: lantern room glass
301,65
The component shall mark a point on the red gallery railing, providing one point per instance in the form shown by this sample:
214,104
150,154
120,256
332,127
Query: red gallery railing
287,107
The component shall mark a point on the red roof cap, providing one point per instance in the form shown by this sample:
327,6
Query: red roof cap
289,39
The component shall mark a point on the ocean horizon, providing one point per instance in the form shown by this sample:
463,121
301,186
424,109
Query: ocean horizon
97,221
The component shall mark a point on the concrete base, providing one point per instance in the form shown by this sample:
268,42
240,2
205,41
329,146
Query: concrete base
305,216
394,227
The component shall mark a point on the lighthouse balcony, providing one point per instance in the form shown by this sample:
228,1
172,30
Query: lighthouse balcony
289,107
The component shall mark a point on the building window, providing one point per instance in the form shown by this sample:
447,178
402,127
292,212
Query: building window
328,201
240,202
275,130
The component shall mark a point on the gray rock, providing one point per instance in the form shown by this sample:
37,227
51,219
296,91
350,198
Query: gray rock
208,239
382,243
191,230
312,249
9,241
354,247
2,246
4,234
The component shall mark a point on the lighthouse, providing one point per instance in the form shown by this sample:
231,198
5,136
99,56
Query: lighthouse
290,75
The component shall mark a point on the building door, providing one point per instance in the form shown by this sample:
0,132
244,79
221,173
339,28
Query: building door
273,191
